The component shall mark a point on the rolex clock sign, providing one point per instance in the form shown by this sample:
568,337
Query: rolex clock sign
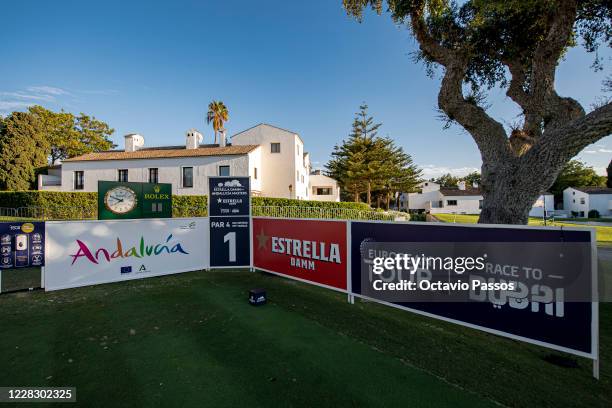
119,200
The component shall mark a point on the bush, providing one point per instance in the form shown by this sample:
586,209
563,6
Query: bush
189,206
593,214
14,199
418,217
67,205
288,202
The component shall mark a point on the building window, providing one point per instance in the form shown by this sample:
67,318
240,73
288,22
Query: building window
153,175
187,177
274,147
582,200
255,173
302,178
224,170
323,191
480,204
451,202
123,176
79,180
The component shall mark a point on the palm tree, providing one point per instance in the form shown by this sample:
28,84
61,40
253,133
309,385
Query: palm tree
217,114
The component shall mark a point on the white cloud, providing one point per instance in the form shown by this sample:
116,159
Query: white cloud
597,151
433,171
48,90
14,100
9,106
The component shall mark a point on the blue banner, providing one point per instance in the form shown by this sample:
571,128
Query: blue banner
569,330
22,244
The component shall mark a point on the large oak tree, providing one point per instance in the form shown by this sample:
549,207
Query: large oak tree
515,44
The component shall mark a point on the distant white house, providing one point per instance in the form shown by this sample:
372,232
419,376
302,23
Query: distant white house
274,158
462,199
580,200
323,188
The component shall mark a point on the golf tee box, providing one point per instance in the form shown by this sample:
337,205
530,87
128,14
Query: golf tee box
257,297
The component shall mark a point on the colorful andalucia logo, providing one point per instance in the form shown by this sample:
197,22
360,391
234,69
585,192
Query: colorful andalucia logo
138,251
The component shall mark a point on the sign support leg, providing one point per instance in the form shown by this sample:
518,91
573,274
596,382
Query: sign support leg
596,369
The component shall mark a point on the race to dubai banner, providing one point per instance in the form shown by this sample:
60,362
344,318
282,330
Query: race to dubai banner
451,273
81,253
313,251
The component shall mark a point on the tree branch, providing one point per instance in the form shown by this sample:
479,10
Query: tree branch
563,143
488,134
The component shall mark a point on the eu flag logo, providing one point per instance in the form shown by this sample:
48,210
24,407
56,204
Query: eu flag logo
126,269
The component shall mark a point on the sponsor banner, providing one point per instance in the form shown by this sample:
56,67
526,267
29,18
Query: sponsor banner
229,196
540,315
22,244
84,253
309,250
229,242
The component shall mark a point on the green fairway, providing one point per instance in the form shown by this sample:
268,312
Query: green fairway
604,233
193,340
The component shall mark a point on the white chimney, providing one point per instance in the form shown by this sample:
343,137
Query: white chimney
461,185
133,142
194,138
222,141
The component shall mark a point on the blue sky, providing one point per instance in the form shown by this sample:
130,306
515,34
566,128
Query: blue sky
153,67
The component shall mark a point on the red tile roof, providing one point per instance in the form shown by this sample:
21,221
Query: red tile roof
164,153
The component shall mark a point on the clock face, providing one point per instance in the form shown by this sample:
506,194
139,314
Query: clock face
120,200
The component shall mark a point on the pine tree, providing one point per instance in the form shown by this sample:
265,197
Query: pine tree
367,163
23,150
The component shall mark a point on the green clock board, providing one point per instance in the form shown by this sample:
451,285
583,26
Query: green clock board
119,200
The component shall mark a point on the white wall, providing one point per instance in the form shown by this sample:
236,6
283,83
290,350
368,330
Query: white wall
170,171
601,203
575,200
278,170
322,181
465,205
538,207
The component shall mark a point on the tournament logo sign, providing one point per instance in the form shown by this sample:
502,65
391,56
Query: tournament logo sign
313,251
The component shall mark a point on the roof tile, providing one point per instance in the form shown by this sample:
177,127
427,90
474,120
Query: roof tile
164,153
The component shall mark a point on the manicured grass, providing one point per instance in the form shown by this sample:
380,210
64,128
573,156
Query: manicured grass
192,340
604,233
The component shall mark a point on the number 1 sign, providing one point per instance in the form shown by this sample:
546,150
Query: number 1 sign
229,241
230,224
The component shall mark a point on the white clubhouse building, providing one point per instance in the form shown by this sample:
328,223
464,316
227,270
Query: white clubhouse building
274,158
578,201
463,199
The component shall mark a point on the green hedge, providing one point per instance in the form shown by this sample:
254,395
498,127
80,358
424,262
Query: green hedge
14,199
65,205
189,206
287,202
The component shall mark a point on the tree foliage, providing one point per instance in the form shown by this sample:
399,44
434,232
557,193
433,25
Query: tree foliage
69,135
217,115
22,151
30,140
576,174
447,180
515,44
367,163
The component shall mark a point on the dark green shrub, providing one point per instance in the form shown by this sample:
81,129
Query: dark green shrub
593,214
